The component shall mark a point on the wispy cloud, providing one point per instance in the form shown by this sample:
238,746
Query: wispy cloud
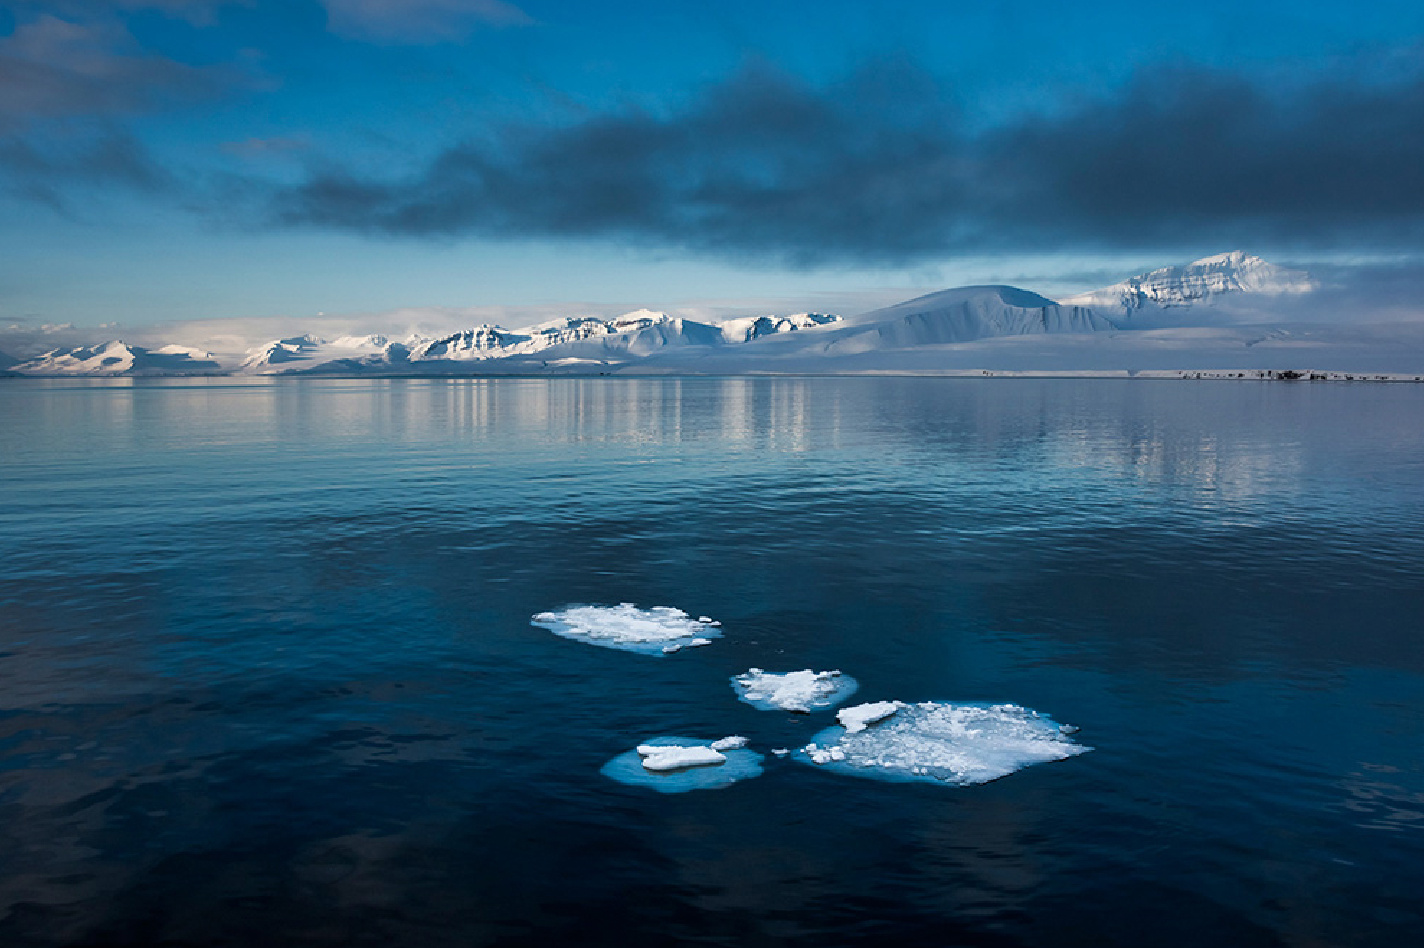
265,147
880,169
197,12
49,173
53,68
418,21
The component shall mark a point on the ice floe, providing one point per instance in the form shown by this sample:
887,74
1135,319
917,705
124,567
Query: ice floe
958,744
679,764
804,690
659,630
735,742
858,718
664,757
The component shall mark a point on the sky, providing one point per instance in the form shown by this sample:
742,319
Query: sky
167,161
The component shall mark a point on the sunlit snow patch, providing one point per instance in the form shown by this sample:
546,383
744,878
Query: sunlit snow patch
679,764
655,631
958,744
804,690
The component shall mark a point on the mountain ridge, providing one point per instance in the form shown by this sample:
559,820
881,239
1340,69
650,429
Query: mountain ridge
1169,309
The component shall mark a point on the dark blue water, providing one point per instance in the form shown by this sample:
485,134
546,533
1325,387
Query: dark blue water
267,675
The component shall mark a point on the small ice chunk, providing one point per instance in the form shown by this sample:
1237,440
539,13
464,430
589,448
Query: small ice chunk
957,744
780,751
659,630
676,758
734,742
803,691
858,718
694,768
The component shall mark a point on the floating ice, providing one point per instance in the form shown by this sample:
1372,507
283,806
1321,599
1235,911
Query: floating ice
690,765
858,718
959,744
804,690
662,757
735,742
656,631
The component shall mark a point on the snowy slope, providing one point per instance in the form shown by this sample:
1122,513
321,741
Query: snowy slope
963,315
566,342
1229,311
1227,287
119,358
952,316
271,356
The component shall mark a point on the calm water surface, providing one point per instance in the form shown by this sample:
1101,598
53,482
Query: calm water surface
267,675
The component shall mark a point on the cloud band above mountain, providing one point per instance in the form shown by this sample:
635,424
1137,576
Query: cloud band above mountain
882,168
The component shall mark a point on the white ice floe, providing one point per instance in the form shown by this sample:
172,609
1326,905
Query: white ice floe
659,630
804,690
734,742
664,757
678,764
958,744
858,718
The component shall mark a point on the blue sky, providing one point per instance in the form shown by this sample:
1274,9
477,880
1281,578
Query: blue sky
194,159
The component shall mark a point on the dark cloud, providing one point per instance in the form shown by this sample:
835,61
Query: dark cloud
881,169
51,173
59,68
1339,159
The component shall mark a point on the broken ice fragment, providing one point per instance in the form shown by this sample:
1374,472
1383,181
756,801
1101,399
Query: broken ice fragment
659,630
677,764
676,758
734,742
803,691
858,718
957,744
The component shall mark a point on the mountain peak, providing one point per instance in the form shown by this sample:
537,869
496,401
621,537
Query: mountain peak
1232,258
1204,282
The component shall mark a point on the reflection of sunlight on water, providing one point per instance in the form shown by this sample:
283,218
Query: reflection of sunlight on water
1235,470
1381,804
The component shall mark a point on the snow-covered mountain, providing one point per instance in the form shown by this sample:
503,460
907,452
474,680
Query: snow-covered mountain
566,341
280,352
927,324
963,314
1231,310
1226,287
118,358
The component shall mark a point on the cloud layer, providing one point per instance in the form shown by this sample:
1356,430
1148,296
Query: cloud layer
50,67
881,169
417,21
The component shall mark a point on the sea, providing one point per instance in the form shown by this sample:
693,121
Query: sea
268,674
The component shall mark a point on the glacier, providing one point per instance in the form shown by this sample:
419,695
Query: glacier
939,742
